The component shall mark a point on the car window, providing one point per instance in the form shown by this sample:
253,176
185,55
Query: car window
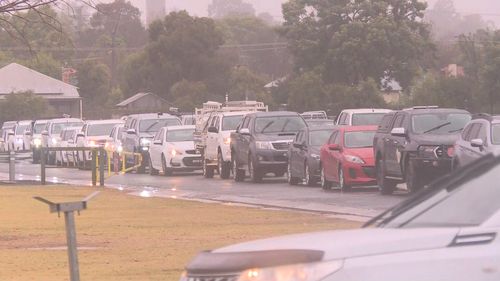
366,119
343,119
495,133
358,139
298,137
245,122
20,129
38,128
99,129
398,122
439,123
180,135
466,131
279,124
385,123
217,122
482,134
331,140
154,125
230,123
474,132
57,127
158,135
319,138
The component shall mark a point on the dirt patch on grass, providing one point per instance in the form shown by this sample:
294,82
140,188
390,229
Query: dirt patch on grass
128,238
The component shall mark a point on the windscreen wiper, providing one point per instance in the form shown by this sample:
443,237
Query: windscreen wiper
438,127
267,126
151,126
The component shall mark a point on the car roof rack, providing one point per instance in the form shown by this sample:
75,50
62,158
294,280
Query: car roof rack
422,107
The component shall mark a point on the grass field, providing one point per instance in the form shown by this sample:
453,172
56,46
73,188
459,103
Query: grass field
128,238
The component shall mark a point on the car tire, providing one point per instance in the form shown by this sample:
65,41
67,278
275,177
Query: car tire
325,184
224,167
166,171
291,179
152,171
253,171
308,177
342,185
386,186
413,182
238,174
208,171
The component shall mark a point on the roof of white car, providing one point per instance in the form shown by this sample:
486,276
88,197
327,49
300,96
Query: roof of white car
65,120
183,127
366,110
24,122
107,121
235,113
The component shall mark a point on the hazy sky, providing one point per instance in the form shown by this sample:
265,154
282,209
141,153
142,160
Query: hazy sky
490,9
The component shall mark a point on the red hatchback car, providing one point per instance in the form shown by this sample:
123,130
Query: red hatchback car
347,158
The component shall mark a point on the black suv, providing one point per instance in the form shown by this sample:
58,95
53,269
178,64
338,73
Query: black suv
415,145
260,143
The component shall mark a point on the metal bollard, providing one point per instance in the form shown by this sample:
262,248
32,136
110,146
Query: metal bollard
12,166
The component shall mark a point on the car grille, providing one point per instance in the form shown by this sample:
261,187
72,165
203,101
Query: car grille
212,278
369,171
191,161
192,151
281,145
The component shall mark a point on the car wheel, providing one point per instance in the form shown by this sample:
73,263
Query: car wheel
208,171
253,171
166,171
309,179
238,174
385,185
224,167
152,171
291,179
325,184
413,183
342,185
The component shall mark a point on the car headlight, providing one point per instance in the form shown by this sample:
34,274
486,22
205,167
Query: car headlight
119,149
227,140
315,156
145,142
19,141
175,152
37,142
92,143
354,159
54,141
263,145
298,272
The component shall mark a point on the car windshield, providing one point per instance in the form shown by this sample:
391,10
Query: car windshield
470,203
20,129
229,123
180,135
279,124
359,139
58,127
318,138
119,134
495,133
100,129
367,119
439,123
154,125
38,128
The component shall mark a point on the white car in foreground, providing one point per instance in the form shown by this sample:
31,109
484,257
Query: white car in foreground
173,151
17,142
448,232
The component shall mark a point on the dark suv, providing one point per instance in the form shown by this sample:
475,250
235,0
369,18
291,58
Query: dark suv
260,143
415,145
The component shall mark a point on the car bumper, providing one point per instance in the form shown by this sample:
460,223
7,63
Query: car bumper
356,174
186,163
433,166
271,160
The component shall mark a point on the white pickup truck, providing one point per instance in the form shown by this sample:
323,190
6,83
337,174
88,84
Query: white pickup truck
214,124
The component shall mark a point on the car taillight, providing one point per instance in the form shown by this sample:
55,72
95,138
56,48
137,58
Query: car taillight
451,151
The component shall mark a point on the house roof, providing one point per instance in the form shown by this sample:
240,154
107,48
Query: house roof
18,78
137,97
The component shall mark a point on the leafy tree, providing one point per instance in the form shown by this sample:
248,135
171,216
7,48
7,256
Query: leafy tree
489,74
187,95
44,63
353,41
230,8
24,106
93,82
244,84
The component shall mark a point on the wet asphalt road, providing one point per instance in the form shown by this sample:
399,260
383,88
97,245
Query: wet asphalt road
360,204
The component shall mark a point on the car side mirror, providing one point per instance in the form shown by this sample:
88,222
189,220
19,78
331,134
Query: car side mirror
45,133
131,131
477,143
213,130
158,142
245,132
334,147
398,132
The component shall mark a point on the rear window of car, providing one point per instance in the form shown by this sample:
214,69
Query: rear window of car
319,138
367,119
359,139
100,129
230,123
57,127
180,135
154,125
279,124
495,133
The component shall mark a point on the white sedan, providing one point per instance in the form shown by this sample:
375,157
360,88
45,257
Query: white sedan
448,232
173,150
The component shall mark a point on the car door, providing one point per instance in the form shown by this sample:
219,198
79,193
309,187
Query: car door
243,143
302,154
461,145
328,155
294,153
155,149
211,142
394,146
473,153
336,156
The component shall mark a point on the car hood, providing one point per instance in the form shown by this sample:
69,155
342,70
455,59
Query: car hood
183,145
446,139
354,243
274,137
